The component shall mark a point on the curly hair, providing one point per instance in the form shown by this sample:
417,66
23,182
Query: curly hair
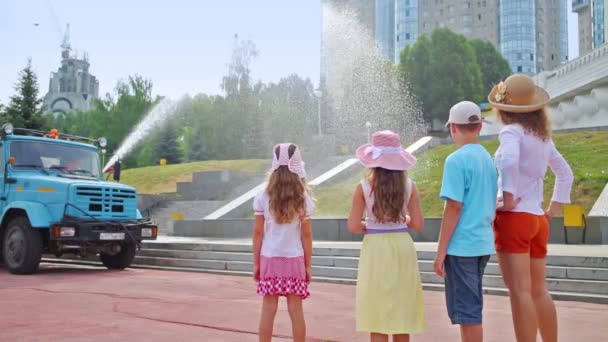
388,189
286,191
535,122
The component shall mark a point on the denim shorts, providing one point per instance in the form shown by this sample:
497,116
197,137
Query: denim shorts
463,292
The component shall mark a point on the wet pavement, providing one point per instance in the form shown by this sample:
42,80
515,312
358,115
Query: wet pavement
82,303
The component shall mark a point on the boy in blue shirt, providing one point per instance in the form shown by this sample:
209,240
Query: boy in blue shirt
466,240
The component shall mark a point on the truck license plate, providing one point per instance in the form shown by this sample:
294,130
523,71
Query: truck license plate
112,236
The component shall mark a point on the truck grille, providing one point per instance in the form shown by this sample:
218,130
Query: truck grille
104,202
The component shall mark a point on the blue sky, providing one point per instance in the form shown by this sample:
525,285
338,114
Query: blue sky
182,46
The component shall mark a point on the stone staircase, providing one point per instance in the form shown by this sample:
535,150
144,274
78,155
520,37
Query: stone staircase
189,209
193,203
577,278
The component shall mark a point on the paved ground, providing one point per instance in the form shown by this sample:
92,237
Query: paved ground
77,303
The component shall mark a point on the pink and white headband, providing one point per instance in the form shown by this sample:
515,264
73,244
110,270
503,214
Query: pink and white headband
294,164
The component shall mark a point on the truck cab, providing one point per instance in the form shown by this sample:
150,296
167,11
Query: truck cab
53,200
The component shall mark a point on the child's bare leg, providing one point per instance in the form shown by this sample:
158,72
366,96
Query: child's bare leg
296,313
401,338
471,333
269,310
378,337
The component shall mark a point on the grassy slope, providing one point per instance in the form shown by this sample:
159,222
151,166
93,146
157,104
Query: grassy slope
163,179
587,153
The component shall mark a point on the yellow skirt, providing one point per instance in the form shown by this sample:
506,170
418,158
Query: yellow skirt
389,291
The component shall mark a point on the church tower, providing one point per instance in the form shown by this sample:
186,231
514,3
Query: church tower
71,87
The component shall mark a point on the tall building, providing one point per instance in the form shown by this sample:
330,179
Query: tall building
532,35
592,23
406,25
585,29
385,27
72,87
474,19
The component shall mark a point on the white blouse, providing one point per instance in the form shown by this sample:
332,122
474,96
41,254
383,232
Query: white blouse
280,240
522,159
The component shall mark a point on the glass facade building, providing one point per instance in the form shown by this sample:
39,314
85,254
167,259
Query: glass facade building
406,24
517,34
385,27
598,23
563,30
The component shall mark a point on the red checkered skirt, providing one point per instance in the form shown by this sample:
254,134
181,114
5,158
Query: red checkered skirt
283,276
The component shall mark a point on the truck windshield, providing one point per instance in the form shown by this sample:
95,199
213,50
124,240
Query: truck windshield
50,156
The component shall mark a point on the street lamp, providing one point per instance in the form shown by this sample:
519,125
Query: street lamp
369,126
319,94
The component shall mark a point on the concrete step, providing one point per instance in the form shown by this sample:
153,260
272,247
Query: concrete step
240,269
245,247
428,276
425,265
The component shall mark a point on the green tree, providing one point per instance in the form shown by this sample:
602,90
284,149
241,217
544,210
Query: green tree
197,149
442,71
25,107
415,70
494,67
168,146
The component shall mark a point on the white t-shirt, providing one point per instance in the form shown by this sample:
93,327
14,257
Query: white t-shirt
280,240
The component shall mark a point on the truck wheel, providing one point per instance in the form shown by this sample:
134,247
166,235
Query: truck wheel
22,246
121,260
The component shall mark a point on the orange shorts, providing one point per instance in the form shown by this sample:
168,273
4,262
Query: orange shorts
521,233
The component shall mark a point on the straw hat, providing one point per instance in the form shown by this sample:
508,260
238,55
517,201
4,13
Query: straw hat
385,151
518,94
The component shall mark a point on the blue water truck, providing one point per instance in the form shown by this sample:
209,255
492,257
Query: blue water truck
55,201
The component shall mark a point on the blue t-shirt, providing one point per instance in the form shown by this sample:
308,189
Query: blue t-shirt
470,177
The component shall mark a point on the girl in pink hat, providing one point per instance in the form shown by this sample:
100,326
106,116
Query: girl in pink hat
389,290
282,240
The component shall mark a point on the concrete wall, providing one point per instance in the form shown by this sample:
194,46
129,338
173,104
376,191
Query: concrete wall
211,185
336,230
149,202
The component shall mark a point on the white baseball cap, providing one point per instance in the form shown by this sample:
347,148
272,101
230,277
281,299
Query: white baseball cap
464,113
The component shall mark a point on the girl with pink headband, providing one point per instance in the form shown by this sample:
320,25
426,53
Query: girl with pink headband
282,240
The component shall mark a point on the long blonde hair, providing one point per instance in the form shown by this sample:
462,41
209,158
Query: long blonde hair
287,192
389,191
535,122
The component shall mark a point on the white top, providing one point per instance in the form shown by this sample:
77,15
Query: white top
522,159
370,219
280,240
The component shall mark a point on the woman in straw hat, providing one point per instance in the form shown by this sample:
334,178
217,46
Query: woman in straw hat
521,226
389,290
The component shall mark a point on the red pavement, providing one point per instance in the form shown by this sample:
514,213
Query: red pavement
72,303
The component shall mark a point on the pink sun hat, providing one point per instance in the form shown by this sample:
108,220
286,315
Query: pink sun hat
386,152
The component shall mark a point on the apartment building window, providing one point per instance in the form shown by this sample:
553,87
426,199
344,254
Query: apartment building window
479,17
531,56
519,56
407,13
519,68
407,36
451,8
467,4
452,20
